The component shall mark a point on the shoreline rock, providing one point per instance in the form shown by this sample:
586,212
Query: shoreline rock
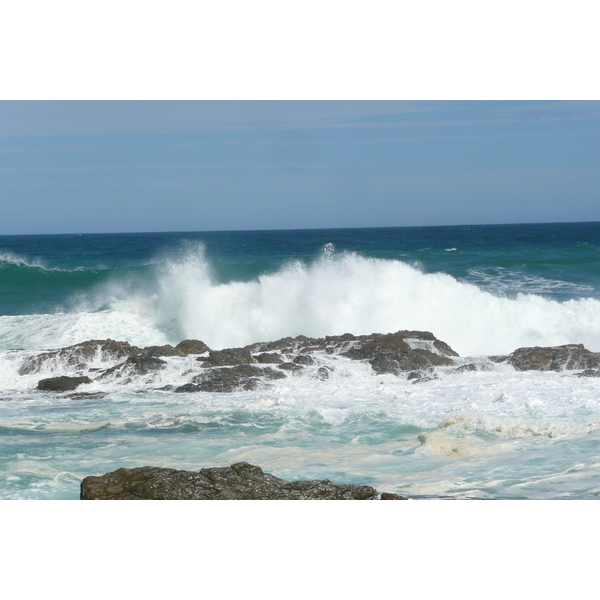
240,481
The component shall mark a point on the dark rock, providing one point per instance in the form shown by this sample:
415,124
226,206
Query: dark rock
390,496
271,358
228,379
303,359
87,395
61,384
192,347
79,355
589,373
229,357
554,358
240,481
401,351
141,364
167,350
290,366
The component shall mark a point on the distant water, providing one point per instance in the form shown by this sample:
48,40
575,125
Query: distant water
482,289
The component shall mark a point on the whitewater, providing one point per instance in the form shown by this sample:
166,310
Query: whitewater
492,432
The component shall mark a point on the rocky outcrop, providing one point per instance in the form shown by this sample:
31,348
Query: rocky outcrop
240,481
228,379
61,384
141,364
79,355
571,357
403,351
192,347
228,357
166,350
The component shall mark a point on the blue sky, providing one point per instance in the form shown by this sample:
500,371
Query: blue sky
102,166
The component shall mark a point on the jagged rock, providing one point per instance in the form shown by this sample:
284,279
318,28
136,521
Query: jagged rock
228,379
240,481
141,364
79,355
553,358
271,358
192,347
61,384
401,351
228,357
167,350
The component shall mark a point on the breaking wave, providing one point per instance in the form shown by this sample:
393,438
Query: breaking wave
341,292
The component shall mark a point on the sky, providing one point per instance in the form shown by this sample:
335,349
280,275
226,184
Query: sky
128,166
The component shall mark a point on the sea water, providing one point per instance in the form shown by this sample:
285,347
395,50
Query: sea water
485,290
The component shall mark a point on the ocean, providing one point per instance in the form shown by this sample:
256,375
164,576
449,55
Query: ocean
493,433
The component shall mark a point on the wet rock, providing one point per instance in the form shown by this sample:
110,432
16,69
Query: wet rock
303,359
271,358
228,357
87,395
290,366
61,384
192,347
167,350
228,379
390,496
141,364
240,481
401,351
589,373
323,373
79,355
554,358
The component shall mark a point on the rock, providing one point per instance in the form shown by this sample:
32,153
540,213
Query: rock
554,358
61,384
323,373
401,351
271,358
303,359
240,481
141,364
192,347
589,373
290,366
229,357
390,496
79,355
167,350
228,379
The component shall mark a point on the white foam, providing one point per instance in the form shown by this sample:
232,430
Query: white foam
344,292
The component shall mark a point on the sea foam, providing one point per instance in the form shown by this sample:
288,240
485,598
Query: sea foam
337,292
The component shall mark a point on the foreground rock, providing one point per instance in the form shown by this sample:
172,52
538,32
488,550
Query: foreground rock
240,481
61,384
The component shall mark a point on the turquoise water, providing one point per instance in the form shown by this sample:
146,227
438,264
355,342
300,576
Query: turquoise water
482,289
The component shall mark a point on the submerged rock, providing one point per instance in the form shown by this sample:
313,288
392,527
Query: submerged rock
79,355
61,384
240,481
